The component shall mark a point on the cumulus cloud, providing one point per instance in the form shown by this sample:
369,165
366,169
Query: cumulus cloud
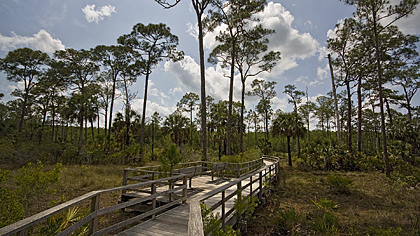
97,15
292,44
187,72
40,41
151,107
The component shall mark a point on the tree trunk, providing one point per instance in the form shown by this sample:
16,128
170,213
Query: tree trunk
289,153
241,128
229,121
98,123
199,14
388,109
381,103
92,129
337,116
144,110
44,116
191,128
349,129
111,108
359,115
22,114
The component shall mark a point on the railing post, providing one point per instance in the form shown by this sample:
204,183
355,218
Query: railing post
94,206
22,233
125,176
238,170
170,187
250,188
223,209
184,191
154,199
260,187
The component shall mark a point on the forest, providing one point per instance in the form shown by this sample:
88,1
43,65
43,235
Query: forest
369,121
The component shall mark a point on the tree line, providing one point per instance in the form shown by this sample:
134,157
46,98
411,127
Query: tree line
68,92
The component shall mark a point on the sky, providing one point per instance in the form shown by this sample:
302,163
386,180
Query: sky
302,29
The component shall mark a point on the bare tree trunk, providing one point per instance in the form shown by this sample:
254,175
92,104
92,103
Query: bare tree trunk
199,12
337,116
229,121
241,128
381,102
349,128
359,115
144,111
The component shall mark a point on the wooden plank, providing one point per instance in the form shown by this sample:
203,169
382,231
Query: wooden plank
195,222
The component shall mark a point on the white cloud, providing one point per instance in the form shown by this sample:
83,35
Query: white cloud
309,24
290,42
151,107
187,72
157,93
40,41
97,15
279,103
175,90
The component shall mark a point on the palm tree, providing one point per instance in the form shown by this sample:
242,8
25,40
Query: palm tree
289,124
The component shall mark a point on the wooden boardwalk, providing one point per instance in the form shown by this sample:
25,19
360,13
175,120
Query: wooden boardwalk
149,195
175,221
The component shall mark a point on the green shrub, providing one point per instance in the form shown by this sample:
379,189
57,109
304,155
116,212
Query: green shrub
245,206
212,224
58,223
11,209
325,205
34,183
339,184
287,222
171,158
326,225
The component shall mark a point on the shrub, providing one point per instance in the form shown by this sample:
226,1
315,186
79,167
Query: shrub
170,159
34,183
339,184
326,224
212,224
287,222
11,209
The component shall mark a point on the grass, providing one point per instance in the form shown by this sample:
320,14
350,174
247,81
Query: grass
372,204
77,180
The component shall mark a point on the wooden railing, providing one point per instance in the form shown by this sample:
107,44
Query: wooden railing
93,199
147,181
234,170
268,174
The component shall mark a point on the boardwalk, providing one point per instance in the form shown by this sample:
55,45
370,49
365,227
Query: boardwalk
167,200
175,221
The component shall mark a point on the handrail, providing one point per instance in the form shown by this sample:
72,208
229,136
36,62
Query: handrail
22,226
272,171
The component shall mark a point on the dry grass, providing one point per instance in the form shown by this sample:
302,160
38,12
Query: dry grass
374,201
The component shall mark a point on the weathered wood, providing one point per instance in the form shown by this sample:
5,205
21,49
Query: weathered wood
94,206
134,219
227,192
195,222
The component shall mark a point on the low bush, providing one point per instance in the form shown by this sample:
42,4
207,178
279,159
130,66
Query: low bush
339,184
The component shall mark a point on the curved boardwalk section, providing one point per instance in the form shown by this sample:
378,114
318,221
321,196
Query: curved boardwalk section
219,195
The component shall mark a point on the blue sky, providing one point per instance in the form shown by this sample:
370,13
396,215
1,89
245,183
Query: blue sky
301,33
